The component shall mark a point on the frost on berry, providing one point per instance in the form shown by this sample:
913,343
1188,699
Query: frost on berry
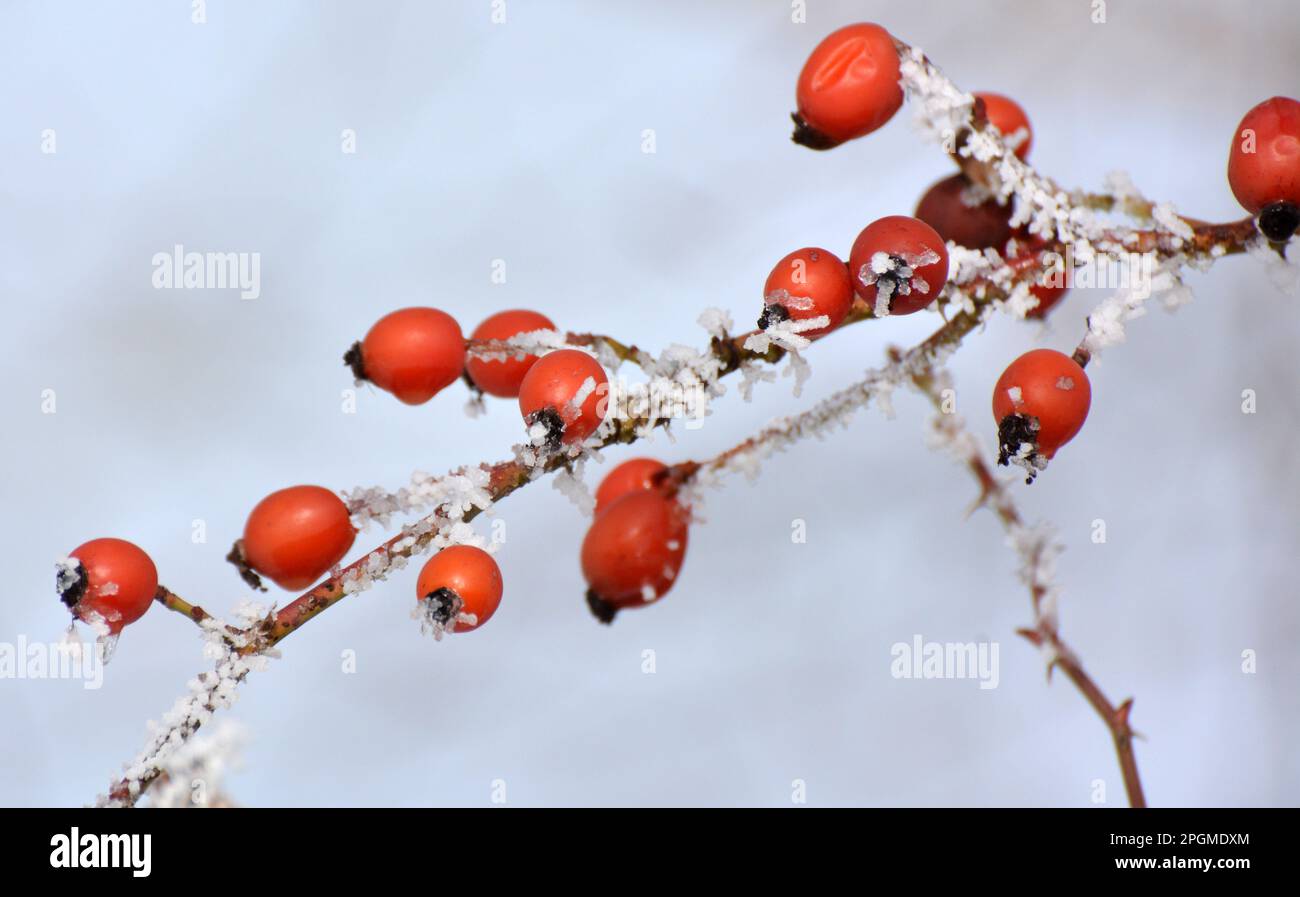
69,581
440,611
785,334
584,391
1018,443
545,427
896,275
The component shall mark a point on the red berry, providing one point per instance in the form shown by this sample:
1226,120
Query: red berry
1040,403
1006,115
898,264
295,535
1049,285
1264,166
985,225
413,353
113,580
848,87
461,579
634,551
808,283
636,475
502,378
565,391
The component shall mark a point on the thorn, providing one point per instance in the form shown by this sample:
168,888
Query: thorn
986,492
1121,719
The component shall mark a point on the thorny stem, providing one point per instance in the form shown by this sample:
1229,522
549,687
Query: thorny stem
509,476
1045,633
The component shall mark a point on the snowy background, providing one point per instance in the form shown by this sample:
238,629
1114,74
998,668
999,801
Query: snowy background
522,142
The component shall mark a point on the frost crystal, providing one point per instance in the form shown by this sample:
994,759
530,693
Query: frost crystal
194,773
895,275
716,321
67,575
1284,275
785,334
207,693
572,485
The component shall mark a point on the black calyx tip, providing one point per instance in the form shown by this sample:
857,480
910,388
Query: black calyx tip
1014,431
246,573
1278,221
71,585
442,605
773,313
808,136
601,609
352,358
550,419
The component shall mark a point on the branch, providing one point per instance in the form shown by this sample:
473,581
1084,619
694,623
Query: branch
979,283
1037,553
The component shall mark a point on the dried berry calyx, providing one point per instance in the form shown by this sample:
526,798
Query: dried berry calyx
773,313
1018,444
442,605
1279,220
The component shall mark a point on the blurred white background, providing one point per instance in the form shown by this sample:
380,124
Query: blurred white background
522,141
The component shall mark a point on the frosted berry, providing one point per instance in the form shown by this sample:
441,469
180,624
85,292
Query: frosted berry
1040,403
414,353
565,392
502,377
1006,115
848,87
808,283
633,552
294,536
947,208
899,265
635,475
458,581
1264,166
108,581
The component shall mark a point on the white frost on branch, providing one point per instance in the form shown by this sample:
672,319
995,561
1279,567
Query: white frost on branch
571,484
832,413
194,773
751,374
456,493
1107,323
717,322
519,346
207,693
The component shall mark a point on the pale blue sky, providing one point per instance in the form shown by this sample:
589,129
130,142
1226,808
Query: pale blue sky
522,141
